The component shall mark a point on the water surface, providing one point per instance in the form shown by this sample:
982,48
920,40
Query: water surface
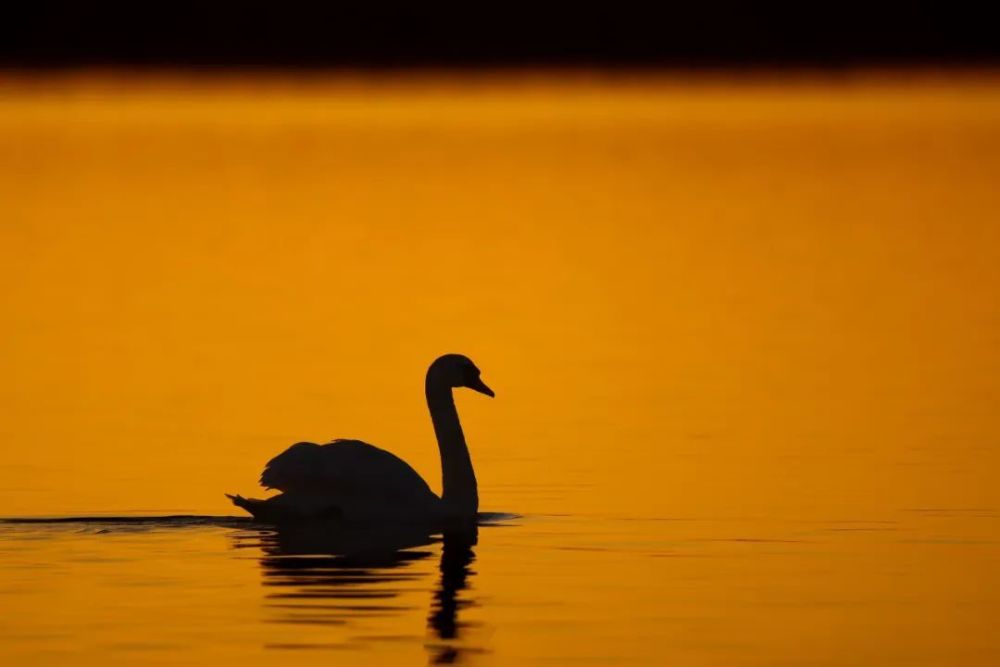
745,338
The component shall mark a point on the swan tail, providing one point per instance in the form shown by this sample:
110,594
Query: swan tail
281,508
249,504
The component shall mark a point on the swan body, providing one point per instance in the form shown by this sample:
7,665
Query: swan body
352,480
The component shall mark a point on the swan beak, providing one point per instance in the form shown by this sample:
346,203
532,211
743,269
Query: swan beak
480,386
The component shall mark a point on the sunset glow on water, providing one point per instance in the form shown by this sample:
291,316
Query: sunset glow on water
744,335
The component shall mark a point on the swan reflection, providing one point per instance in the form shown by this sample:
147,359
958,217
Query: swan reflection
325,574
456,557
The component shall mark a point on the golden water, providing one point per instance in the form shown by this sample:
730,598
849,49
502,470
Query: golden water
745,338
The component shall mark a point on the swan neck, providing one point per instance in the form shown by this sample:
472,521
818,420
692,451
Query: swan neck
459,490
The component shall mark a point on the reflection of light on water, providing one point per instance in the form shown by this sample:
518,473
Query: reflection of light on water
720,313
323,575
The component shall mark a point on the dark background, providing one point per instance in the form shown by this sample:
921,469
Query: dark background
477,34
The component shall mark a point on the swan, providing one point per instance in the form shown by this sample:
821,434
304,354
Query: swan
354,481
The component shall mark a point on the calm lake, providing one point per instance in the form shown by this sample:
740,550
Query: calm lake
744,335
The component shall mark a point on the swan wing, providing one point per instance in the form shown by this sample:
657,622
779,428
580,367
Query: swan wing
343,468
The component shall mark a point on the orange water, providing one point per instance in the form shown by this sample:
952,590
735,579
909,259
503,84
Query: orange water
745,339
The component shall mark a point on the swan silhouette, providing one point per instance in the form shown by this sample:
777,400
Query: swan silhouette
353,481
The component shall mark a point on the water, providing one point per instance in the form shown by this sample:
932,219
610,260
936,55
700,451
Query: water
534,590
744,338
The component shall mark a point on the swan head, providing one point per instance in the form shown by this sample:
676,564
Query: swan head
457,370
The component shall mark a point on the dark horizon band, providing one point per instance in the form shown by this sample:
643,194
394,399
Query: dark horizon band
380,35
